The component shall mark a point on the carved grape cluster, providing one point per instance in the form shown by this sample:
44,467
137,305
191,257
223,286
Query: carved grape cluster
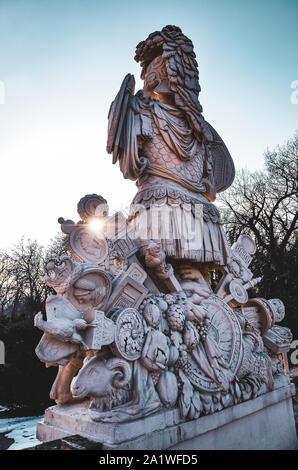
184,364
203,330
176,317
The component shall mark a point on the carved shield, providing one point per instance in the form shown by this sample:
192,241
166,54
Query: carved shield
223,165
225,330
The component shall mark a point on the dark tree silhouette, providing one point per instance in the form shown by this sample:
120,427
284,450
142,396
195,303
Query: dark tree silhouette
24,380
263,204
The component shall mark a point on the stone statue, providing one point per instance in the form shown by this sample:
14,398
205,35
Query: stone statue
136,327
162,141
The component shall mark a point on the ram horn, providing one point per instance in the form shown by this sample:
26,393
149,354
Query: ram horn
116,363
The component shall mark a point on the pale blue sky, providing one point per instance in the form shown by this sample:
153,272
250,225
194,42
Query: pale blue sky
62,63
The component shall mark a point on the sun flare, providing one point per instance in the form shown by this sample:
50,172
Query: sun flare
96,226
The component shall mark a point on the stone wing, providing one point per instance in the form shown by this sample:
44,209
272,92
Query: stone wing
117,116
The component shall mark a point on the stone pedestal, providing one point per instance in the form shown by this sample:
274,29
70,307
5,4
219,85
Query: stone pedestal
266,422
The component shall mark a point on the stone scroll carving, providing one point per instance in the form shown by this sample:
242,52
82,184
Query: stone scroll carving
137,326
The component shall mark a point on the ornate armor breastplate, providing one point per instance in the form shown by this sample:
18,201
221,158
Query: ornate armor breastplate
158,154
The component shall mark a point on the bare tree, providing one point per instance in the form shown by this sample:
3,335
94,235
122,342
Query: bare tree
263,204
22,269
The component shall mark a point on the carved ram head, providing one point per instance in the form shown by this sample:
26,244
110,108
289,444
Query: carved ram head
99,377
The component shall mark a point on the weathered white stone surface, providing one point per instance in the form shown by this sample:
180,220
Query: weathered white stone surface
137,324
267,422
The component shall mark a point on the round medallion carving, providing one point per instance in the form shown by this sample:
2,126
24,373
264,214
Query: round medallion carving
225,330
91,289
88,246
238,293
129,334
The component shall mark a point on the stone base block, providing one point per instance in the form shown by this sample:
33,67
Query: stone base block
267,422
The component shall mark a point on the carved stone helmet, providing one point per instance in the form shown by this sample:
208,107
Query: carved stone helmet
169,66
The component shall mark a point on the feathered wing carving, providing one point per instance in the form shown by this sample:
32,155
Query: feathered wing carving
117,114
122,130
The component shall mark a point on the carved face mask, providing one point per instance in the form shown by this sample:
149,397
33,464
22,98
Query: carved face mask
156,79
